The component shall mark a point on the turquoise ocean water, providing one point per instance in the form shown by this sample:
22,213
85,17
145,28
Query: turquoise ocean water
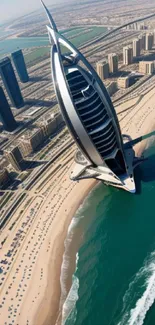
114,281
10,45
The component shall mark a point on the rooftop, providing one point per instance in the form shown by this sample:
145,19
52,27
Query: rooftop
30,132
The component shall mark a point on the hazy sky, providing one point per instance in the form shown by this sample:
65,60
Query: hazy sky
14,8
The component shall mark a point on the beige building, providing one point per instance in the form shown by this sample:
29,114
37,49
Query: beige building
123,82
135,26
149,42
127,55
143,41
146,67
140,42
31,139
102,69
141,26
14,156
111,87
113,62
136,47
4,177
48,124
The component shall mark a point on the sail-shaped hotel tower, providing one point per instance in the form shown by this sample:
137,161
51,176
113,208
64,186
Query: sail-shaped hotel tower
90,116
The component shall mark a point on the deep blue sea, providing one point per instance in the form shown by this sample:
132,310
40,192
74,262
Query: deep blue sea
114,280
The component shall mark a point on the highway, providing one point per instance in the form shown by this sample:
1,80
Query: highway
100,38
33,179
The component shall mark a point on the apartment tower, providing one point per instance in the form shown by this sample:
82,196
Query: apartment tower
127,55
20,65
10,82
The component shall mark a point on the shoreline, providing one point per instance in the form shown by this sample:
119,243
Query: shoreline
139,149
54,200
50,316
51,319
62,198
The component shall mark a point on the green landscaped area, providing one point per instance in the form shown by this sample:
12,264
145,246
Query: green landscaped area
39,52
93,31
74,31
83,38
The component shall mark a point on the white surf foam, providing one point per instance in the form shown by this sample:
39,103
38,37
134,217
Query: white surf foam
141,273
71,300
67,302
66,259
136,315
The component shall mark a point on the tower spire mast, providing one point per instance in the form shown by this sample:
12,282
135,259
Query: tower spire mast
51,21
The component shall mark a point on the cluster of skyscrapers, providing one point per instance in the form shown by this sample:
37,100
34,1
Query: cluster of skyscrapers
105,68
12,88
137,26
143,42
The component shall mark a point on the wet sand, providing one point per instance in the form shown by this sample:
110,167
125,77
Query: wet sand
47,313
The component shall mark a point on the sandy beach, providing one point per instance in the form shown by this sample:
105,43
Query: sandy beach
34,281
33,248
68,209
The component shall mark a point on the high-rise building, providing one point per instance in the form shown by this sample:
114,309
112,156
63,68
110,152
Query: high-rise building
141,42
141,26
10,82
142,39
146,67
90,116
14,157
149,41
136,47
154,37
135,26
103,69
20,65
6,115
153,33
113,62
127,55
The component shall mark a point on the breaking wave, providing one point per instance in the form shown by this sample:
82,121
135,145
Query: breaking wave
69,305
137,314
72,242
67,259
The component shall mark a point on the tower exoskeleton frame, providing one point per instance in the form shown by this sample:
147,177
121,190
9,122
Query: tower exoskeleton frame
90,116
